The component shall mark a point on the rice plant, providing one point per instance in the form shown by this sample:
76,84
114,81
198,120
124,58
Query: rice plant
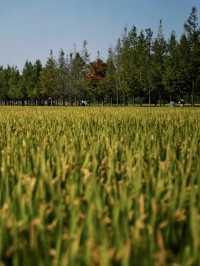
99,186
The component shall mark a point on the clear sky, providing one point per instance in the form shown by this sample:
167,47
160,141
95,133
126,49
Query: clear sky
30,28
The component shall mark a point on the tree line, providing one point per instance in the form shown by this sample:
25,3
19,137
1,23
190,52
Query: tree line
143,68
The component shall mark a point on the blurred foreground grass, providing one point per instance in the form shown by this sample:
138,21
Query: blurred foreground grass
99,186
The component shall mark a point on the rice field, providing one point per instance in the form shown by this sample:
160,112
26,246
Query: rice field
99,186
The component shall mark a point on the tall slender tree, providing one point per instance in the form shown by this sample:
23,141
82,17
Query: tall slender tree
158,58
49,79
192,33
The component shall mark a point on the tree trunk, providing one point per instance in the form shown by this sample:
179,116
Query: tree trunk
192,96
159,99
149,97
117,97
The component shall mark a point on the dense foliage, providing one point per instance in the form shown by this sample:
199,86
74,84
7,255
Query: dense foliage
142,68
99,186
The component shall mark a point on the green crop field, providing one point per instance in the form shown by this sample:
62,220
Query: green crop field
99,186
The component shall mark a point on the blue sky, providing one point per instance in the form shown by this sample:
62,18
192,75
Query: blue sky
29,29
